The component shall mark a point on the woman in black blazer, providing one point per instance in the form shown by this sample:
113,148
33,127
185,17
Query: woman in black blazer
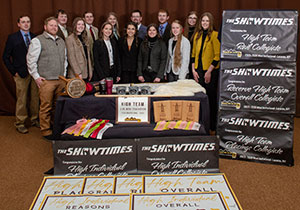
129,48
152,57
106,56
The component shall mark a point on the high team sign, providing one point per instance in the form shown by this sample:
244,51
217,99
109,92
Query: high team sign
259,35
256,136
258,86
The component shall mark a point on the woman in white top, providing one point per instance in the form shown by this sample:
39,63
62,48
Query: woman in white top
178,54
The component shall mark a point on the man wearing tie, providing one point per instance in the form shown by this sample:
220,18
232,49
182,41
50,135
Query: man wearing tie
136,17
164,27
14,57
92,31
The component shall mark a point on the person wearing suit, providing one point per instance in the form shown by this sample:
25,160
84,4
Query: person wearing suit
152,57
129,48
78,48
92,31
178,54
106,56
205,62
14,57
63,30
164,27
136,17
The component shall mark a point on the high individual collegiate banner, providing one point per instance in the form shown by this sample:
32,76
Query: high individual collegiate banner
256,136
258,86
107,157
259,35
178,155
112,202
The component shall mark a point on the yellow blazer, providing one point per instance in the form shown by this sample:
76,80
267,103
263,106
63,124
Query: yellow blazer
76,58
211,50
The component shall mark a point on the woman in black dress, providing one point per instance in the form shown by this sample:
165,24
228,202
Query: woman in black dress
129,48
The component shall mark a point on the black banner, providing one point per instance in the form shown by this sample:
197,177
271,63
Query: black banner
178,155
256,136
259,35
258,86
101,158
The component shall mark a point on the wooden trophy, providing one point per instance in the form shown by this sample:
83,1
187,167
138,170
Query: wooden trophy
75,87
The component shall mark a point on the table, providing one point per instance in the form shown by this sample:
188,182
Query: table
68,110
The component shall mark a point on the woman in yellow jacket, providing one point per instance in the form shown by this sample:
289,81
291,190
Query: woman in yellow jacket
205,62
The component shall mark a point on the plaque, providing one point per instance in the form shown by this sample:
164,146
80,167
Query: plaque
75,87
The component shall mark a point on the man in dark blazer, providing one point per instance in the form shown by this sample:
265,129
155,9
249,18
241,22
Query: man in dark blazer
14,57
164,27
136,17
63,30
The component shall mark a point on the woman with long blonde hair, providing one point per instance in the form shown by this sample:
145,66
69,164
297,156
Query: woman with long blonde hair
112,18
178,54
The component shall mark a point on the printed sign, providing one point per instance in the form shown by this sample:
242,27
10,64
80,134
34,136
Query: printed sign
261,137
259,35
191,183
258,86
178,155
99,158
128,184
98,185
86,202
132,110
184,201
57,186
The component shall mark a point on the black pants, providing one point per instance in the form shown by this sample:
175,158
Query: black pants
172,77
212,93
129,77
149,76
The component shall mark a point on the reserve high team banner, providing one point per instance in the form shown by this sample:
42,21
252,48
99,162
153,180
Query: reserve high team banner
259,35
256,136
178,155
107,157
258,86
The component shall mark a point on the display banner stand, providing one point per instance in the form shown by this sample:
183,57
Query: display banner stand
257,83
160,155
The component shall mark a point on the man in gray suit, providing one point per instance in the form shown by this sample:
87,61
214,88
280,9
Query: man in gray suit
136,17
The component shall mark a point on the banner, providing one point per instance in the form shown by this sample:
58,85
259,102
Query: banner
182,201
106,157
178,155
259,35
258,86
98,185
88,202
57,186
256,136
192,184
128,184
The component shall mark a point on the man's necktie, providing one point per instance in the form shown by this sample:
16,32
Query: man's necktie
161,30
92,33
27,41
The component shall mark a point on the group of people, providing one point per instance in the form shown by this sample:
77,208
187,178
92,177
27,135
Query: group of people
156,53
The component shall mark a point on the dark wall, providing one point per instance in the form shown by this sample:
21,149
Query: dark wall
178,9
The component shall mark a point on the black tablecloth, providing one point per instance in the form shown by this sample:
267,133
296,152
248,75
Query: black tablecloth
68,110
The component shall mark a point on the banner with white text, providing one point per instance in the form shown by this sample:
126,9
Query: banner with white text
258,86
256,136
259,35
178,155
99,158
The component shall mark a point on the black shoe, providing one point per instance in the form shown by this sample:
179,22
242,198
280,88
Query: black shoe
35,123
22,129
49,137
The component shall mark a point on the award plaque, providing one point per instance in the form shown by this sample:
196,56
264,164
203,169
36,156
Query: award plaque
75,87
